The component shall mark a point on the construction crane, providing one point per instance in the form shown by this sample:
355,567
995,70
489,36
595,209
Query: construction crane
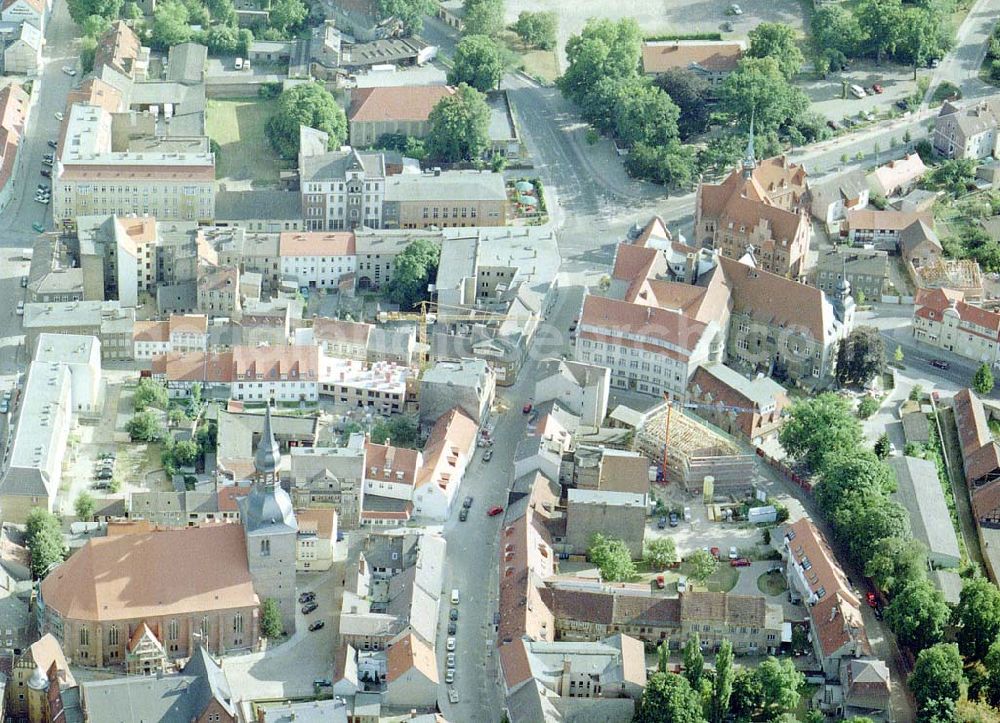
689,405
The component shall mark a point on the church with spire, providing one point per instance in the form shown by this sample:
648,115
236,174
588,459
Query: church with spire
270,528
760,204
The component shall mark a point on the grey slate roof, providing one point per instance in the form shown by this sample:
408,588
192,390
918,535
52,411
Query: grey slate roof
269,203
335,164
919,491
187,63
915,234
449,186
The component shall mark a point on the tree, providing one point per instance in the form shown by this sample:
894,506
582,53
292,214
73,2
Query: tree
84,506
408,12
757,89
94,26
977,617
286,15
820,427
399,431
919,37
895,562
882,21
954,175
271,625
747,697
834,28
144,427
691,93
171,24
603,50
660,552
479,61
722,683
307,104
867,407
185,452
223,12
671,165
861,520
412,272
992,665
780,683
484,17
44,539
646,114
80,10
222,39
88,53
149,393
983,381
537,29
883,446
852,473
898,355
937,676
776,40
702,565
721,153
459,126
611,555
918,615
860,357
668,698
694,662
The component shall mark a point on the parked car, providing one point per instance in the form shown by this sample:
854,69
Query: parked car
449,676
715,552
42,199
463,515
53,143
870,599
740,562
68,70
488,455
307,597
902,104
687,514
494,511
467,502
20,308
316,625
727,27
673,519
733,554
681,584
878,89
660,583
662,523
450,645
940,364
452,628
39,228
4,406
7,395
59,116
24,282
450,660
453,614
323,683
105,474
526,409
735,9
309,607
452,695
46,173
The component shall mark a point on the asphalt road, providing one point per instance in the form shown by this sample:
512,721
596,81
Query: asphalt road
49,97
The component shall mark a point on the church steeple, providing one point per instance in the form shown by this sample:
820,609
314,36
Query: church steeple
267,457
749,158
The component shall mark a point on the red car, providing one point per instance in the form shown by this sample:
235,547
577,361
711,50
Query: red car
494,511
526,409
740,562
660,582
877,88
870,599
715,552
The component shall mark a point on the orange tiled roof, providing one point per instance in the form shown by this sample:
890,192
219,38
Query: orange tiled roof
404,103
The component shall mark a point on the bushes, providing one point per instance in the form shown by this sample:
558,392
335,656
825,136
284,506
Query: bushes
682,36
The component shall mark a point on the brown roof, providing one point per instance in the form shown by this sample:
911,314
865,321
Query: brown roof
316,243
37,5
211,278
742,610
276,363
659,57
932,303
872,218
624,473
580,605
612,317
900,171
166,572
321,520
46,652
228,496
525,547
351,332
647,610
189,324
514,663
454,433
151,331
194,366
96,92
410,652
118,48
970,418
403,103
773,192
379,457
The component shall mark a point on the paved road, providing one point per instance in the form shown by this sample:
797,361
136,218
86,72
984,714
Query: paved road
51,88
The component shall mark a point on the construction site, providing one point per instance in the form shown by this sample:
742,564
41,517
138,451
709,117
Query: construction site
695,450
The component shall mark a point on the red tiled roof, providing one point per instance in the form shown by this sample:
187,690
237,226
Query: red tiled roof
403,103
316,243
659,57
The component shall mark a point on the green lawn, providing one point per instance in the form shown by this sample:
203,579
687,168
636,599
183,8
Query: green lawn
771,583
238,127
722,580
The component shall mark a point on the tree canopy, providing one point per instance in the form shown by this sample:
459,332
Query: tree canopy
660,552
668,697
84,506
613,558
694,662
896,562
397,430
604,49
853,473
149,393
537,29
479,61
171,24
409,12
918,615
44,539
722,683
270,619
144,427
702,565
937,678
977,617
982,380
860,357
412,272
459,126
307,104
776,40
691,93
819,428
483,17
758,89
80,10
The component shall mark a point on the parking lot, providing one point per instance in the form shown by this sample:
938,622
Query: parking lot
827,94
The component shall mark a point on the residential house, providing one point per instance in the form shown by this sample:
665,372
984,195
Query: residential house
379,387
22,55
867,270
331,477
341,190
452,13
315,540
33,12
942,318
711,61
759,206
835,623
621,515
284,374
881,228
412,675
918,489
344,339
180,333
405,110
967,130
445,199
919,246
609,469
980,457
107,320
833,198
219,291
81,355
317,260
13,114
468,384
867,689
120,49
262,210
446,455
749,408
897,177
582,389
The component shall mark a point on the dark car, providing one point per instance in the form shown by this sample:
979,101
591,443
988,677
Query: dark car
467,502
453,614
307,597
488,455
833,125
463,515
53,144
940,364
309,607
105,473
316,625
662,523
452,628
323,683
674,520
47,173
902,104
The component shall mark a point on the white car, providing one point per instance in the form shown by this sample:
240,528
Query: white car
857,91
452,695
450,645
69,70
682,583
735,9
59,116
42,199
450,660
20,308
449,677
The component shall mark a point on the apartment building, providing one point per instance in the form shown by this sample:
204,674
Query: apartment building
379,387
107,320
13,115
318,260
180,333
942,318
331,477
219,291
867,271
446,456
341,190
760,207
968,130
445,199
173,179
285,374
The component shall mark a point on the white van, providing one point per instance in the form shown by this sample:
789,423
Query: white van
454,596
682,583
239,63
857,91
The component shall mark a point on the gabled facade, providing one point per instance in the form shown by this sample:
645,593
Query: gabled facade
942,318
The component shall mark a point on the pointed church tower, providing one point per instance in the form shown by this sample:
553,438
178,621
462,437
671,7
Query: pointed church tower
270,528
750,157
843,303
